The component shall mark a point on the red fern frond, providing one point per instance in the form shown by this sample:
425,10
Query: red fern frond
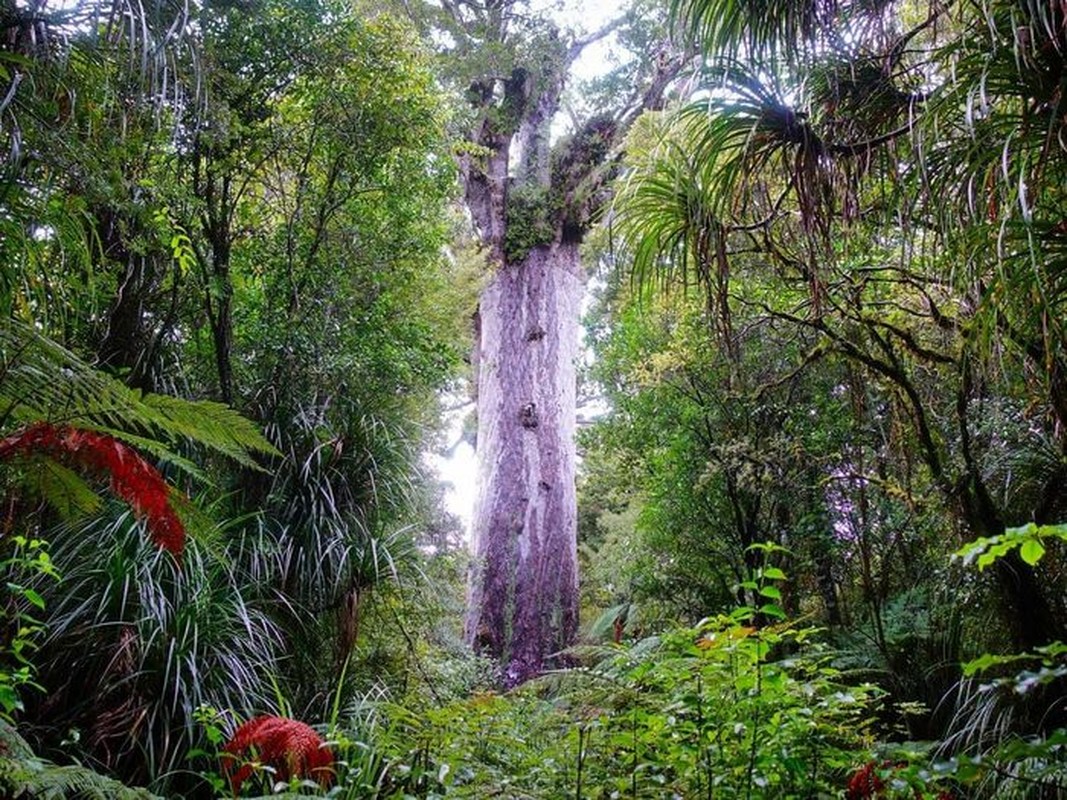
290,747
864,783
132,478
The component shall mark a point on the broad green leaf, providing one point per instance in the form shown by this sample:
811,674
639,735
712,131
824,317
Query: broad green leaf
1031,551
773,610
773,592
988,660
33,597
9,699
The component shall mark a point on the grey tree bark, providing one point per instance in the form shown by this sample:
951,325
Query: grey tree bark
530,213
524,593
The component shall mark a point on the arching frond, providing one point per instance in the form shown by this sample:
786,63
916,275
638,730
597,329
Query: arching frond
767,30
42,381
661,212
24,775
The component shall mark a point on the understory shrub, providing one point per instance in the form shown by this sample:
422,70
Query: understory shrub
722,709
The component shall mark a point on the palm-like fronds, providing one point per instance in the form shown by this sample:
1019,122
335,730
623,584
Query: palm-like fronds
766,29
662,211
753,144
334,504
991,136
334,531
136,644
152,43
671,226
957,119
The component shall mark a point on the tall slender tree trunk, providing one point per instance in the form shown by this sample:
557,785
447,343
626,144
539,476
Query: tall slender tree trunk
524,590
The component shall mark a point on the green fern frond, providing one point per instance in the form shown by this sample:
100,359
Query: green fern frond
41,780
213,425
603,627
23,775
40,380
62,488
197,522
46,781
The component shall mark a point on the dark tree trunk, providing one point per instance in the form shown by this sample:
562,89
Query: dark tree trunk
1029,615
221,317
216,223
126,345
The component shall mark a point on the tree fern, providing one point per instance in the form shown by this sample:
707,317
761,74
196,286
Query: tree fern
40,380
72,419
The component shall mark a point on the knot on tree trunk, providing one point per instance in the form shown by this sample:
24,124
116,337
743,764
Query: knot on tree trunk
528,416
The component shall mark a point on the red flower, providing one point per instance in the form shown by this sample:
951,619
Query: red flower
132,478
292,748
864,783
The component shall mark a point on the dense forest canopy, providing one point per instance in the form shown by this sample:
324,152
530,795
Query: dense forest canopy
809,257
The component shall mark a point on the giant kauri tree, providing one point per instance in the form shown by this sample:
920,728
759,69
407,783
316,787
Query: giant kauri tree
531,202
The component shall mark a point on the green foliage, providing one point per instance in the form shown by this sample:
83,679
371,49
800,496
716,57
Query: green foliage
529,221
850,242
24,775
156,641
709,711
856,356
720,709
1026,538
267,226
28,560
711,455
987,747
40,380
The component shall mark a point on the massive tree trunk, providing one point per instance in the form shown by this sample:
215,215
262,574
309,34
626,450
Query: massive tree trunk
530,208
524,591
523,603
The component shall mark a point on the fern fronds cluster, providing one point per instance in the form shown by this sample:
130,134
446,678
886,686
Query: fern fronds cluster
41,380
132,478
291,748
76,415
24,775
